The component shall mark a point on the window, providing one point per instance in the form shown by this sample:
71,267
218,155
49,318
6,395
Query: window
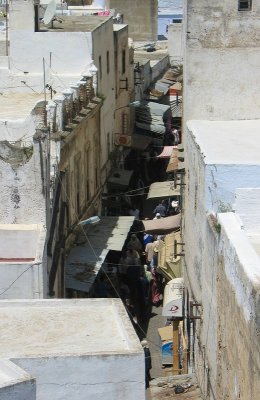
100,67
244,5
123,61
108,66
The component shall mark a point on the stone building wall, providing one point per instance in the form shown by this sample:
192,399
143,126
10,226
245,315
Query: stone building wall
140,15
222,273
222,49
175,43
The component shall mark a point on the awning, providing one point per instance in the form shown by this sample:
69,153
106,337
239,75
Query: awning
159,89
180,166
169,265
173,298
150,116
163,189
176,161
166,152
176,86
175,165
84,262
162,226
140,142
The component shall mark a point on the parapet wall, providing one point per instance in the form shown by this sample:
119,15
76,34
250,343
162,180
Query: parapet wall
227,347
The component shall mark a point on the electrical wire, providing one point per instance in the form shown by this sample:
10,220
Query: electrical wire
103,269
19,276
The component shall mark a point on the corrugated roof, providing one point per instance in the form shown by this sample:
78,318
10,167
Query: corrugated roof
163,189
84,262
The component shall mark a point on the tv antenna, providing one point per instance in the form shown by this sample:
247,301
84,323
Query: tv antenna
49,15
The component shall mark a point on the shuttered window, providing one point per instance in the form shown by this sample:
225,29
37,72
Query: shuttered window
244,5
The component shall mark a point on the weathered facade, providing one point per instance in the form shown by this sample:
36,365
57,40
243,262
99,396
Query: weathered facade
140,15
223,42
175,43
124,81
56,144
221,262
77,190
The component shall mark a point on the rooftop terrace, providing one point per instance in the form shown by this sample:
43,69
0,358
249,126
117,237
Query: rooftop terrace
227,142
75,327
77,23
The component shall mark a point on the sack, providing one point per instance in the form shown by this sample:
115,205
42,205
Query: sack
178,389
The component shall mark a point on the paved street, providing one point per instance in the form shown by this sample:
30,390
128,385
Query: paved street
156,321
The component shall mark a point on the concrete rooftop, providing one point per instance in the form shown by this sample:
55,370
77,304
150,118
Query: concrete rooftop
74,327
227,142
18,105
255,242
77,23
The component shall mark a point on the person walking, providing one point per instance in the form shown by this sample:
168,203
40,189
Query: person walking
134,243
161,209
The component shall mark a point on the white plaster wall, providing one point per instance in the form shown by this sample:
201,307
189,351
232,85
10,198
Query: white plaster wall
14,129
222,180
232,94
239,318
22,200
222,273
15,383
242,264
221,68
158,67
86,377
247,205
19,391
29,48
71,52
20,280
199,269
175,43
145,78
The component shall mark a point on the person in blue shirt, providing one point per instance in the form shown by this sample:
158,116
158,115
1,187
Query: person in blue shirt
161,209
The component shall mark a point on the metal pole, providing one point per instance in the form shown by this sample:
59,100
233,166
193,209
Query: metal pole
44,90
6,28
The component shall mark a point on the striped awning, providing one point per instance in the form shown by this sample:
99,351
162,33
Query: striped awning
166,152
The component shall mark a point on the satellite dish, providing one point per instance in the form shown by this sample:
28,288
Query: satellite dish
50,12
